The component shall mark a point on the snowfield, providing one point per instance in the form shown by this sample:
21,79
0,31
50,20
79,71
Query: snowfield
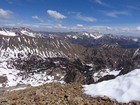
14,78
7,33
123,89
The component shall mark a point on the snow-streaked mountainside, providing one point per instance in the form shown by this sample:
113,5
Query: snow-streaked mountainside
46,47
124,88
18,32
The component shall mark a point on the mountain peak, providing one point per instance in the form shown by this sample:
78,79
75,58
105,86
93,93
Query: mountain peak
18,31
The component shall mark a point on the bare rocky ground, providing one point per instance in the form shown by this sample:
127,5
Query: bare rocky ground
54,94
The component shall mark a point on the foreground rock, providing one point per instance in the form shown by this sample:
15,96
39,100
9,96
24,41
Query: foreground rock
54,94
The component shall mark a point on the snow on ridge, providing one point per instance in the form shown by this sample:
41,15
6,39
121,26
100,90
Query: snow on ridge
124,88
27,33
13,32
95,35
135,39
7,33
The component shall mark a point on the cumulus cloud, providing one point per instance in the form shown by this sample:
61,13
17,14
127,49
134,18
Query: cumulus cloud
5,14
79,25
116,14
85,18
37,18
56,14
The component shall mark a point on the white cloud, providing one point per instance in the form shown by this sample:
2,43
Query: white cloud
56,14
116,14
125,29
37,18
138,28
133,7
79,25
108,28
60,26
85,18
99,2
5,14
118,30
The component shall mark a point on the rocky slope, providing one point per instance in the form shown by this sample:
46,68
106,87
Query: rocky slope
55,94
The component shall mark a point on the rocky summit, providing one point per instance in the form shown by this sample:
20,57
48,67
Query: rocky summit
55,94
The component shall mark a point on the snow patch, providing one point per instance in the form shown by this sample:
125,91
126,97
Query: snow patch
102,73
27,33
135,39
124,88
7,33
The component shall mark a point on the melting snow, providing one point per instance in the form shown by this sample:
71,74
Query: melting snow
124,88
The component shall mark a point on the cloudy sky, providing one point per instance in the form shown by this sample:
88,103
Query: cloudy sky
107,16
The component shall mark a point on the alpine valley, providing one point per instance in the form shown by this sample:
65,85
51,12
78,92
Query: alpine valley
29,58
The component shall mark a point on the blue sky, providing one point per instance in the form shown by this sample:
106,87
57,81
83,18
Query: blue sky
107,16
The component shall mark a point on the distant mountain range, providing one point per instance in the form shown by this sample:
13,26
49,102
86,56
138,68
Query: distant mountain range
29,57
87,39
97,39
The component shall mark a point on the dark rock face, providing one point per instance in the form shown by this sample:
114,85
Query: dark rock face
114,58
105,78
3,79
77,70
74,71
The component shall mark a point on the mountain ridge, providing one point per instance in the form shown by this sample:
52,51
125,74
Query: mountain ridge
34,57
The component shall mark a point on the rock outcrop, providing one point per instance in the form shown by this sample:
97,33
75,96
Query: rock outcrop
55,94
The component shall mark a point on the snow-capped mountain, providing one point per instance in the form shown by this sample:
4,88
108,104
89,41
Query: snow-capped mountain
94,35
87,39
96,39
18,31
29,59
